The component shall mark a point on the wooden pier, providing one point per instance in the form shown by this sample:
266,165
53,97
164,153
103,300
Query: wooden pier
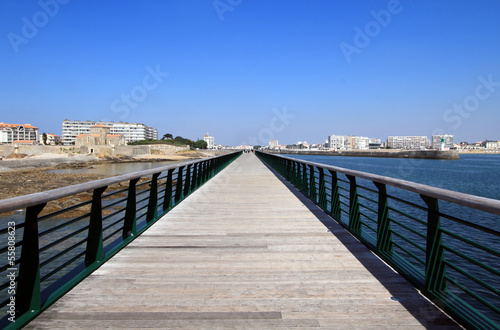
246,250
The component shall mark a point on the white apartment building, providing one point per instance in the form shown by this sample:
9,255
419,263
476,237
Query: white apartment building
209,140
10,133
344,142
338,142
436,141
273,144
359,142
492,144
131,131
408,142
374,144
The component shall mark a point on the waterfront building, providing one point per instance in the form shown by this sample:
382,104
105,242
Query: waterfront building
131,131
53,138
492,144
358,142
273,144
209,140
100,135
303,145
13,133
338,142
374,144
408,142
448,141
344,142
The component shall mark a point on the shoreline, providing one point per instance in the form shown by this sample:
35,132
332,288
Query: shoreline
78,161
29,175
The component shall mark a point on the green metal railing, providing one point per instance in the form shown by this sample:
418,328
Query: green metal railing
52,240
445,243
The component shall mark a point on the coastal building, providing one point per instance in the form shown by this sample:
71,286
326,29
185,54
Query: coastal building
273,144
448,141
338,142
408,142
303,145
131,131
209,140
358,142
489,144
351,142
53,138
100,135
374,144
13,133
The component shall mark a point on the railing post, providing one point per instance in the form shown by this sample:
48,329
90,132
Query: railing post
304,180
335,212
354,215
194,181
203,176
153,199
312,184
435,282
94,251
167,197
187,185
293,173
178,187
129,223
28,281
322,189
384,235
288,170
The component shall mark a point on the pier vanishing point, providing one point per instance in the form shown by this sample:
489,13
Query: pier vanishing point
245,249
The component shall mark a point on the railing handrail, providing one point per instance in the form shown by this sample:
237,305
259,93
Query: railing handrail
20,202
477,202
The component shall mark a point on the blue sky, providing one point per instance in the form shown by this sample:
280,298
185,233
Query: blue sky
250,71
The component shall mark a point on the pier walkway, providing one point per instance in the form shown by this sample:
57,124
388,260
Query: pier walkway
246,250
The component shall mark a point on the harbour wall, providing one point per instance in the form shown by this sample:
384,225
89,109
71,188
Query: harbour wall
419,154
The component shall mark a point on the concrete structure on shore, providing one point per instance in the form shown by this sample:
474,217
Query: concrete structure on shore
10,133
100,135
131,131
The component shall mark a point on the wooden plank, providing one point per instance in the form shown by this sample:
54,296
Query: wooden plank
244,251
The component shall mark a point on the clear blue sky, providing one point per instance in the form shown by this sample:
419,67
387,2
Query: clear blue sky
247,71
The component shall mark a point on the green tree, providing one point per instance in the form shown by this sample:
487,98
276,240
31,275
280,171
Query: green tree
167,136
44,138
200,144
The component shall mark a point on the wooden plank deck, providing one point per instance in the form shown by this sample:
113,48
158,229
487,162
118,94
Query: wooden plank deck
244,251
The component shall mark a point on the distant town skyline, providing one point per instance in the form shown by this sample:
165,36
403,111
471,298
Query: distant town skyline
249,72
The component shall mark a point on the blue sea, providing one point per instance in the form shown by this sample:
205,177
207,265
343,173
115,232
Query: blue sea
471,174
